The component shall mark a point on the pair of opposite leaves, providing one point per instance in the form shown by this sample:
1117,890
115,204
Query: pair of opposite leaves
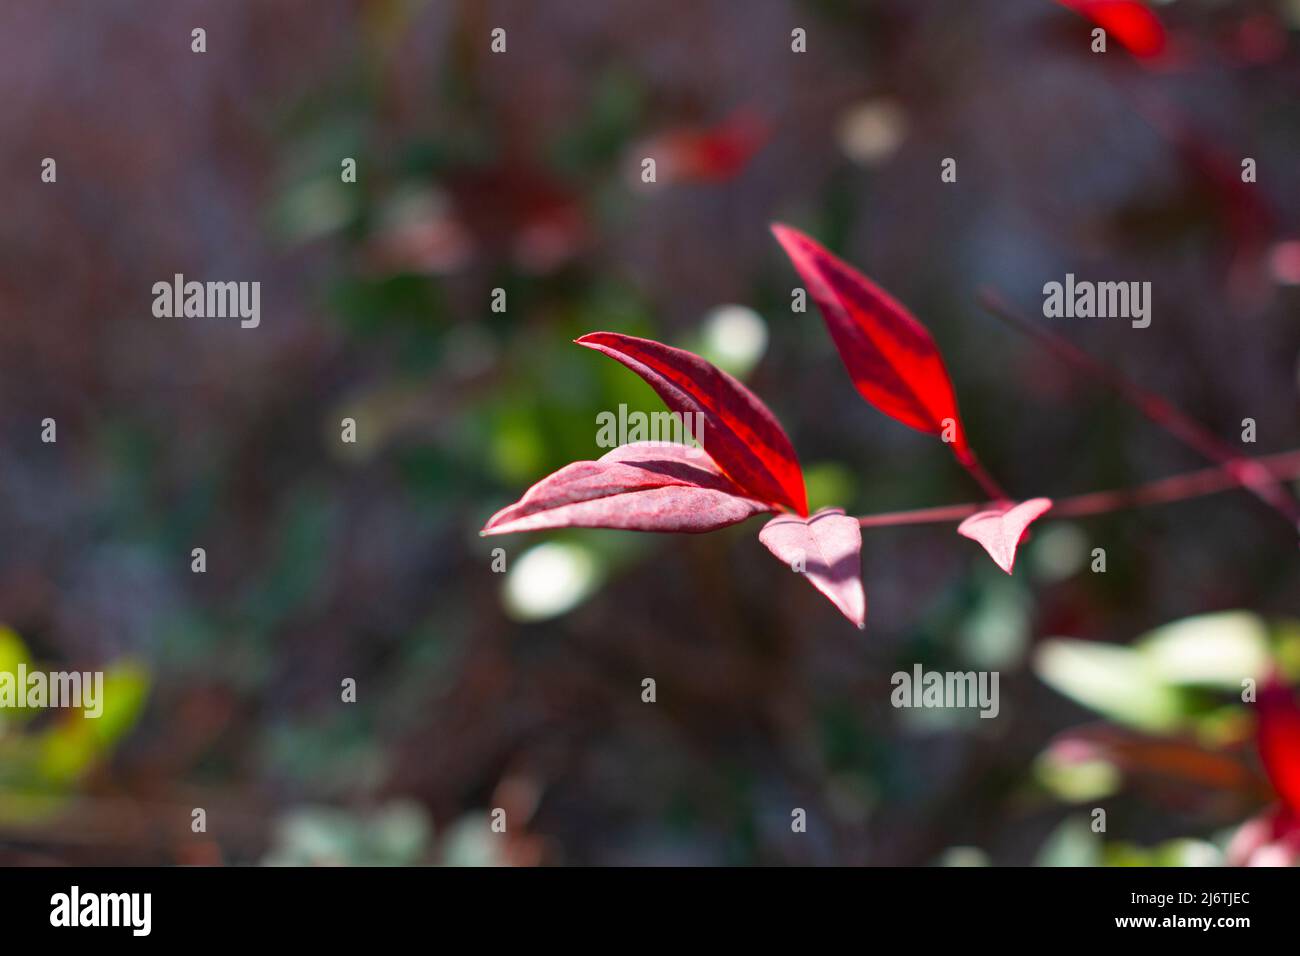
747,465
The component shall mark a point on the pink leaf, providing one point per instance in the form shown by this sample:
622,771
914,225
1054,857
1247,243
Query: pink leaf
646,486
1000,531
828,546
741,435
1271,838
890,356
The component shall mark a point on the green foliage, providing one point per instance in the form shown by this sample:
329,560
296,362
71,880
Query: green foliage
46,753
1172,678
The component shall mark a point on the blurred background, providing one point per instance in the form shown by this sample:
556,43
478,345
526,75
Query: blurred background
521,690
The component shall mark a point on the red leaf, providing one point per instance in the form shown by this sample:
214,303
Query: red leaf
1000,531
1155,760
828,546
1278,737
711,154
890,356
1128,21
741,435
646,486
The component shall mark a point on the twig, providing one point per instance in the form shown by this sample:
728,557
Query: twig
1250,473
1192,484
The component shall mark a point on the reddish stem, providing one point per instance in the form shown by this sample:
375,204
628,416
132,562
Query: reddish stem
985,480
1192,484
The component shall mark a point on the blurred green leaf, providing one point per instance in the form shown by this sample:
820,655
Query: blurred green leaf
1072,843
13,652
74,743
829,484
1075,781
1180,852
1210,649
1119,682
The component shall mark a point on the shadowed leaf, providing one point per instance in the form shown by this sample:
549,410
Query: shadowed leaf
647,486
828,546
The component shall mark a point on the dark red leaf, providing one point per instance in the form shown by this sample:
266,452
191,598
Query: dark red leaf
1000,531
828,547
646,486
1129,22
741,435
890,356
1279,742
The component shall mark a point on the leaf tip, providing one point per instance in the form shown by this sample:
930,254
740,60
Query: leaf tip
787,236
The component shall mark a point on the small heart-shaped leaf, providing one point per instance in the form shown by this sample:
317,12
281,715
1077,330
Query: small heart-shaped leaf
828,548
1000,531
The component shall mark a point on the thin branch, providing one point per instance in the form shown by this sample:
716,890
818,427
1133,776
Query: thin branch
1249,472
1192,484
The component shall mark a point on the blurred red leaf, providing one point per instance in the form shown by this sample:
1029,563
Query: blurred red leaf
1000,531
1271,838
711,154
517,210
890,356
1131,23
646,486
1173,761
739,432
1279,742
828,546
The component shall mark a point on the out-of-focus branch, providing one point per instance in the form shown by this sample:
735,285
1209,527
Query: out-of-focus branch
1192,484
1250,473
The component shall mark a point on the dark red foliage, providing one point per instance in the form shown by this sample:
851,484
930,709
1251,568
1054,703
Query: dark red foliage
646,486
890,356
740,433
